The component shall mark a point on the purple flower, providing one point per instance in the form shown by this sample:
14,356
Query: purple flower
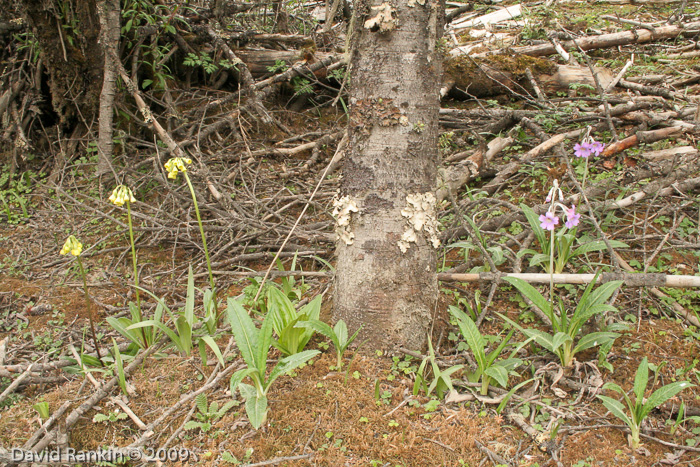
597,148
572,217
582,150
548,221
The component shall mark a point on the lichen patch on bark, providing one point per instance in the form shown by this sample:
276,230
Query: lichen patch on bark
342,211
420,215
383,19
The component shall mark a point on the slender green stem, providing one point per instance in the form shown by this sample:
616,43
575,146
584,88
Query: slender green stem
89,311
204,242
136,271
551,269
585,174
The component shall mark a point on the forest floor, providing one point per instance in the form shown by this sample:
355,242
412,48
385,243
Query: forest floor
367,412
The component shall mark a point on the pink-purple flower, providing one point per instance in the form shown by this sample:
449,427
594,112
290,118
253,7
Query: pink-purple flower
588,148
548,220
572,217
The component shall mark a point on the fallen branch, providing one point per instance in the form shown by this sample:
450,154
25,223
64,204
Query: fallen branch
630,280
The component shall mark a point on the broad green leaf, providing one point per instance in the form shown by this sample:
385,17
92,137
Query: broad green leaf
239,376
255,405
663,394
119,367
321,328
641,379
532,294
263,344
616,408
534,221
214,347
472,336
189,300
597,245
120,325
341,331
184,331
593,339
288,364
499,374
603,293
281,309
559,340
244,331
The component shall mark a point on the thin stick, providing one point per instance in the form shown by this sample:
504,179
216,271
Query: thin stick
291,231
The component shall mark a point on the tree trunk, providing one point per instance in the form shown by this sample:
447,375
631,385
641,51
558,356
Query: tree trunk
110,13
67,34
386,278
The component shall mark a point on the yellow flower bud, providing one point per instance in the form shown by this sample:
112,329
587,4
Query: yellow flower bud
72,246
176,165
121,195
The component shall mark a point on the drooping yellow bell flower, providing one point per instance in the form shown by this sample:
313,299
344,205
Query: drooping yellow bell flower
72,246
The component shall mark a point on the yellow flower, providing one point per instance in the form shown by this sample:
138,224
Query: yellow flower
176,165
121,195
72,246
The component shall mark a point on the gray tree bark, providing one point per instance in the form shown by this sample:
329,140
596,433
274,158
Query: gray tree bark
109,12
386,272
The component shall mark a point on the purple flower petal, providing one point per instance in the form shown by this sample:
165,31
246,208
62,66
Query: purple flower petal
548,221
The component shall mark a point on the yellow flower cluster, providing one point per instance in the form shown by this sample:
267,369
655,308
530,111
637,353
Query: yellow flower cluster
121,195
176,165
72,246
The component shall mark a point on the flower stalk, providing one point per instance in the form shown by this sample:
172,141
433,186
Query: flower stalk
175,166
75,248
120,196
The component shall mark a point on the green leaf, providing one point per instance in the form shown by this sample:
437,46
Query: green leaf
244,331
532,294
559,340
281,309
214,347
663,394
499,374
263,344
255,405
594,339
288,364
341,331
472,336
534,221
597,245
189,300
617,409
119,368
201,403
641,379
239,376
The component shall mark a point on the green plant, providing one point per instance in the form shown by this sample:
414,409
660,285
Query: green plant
640,408
563,242
42,408
185,321
254,345
441,379
207,414
338,335
13,194
110,417
488,368
175,166
291,338
564,341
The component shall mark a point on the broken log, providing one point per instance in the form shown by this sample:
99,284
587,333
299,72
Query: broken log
638,36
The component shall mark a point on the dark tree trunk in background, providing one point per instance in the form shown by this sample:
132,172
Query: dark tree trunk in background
386,272
67,32
110,14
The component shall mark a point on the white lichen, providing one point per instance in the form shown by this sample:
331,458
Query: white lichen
383,19
420,216
342,211
412,3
